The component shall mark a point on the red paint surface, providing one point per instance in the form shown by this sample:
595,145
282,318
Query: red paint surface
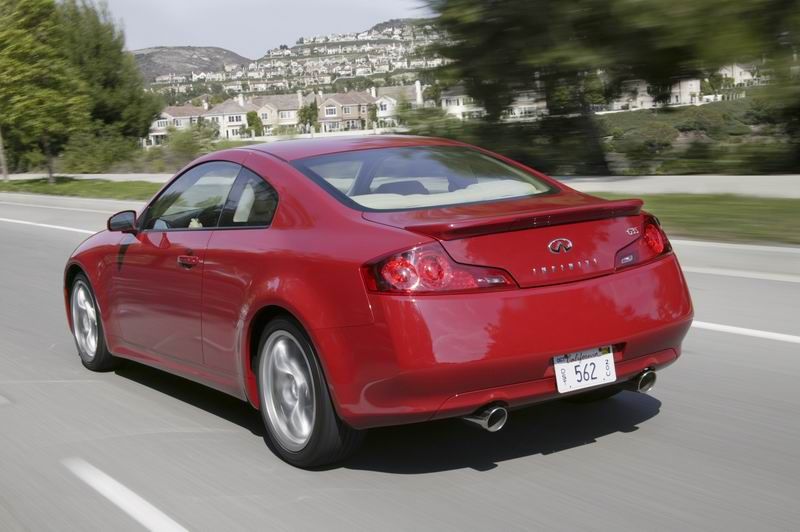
389,358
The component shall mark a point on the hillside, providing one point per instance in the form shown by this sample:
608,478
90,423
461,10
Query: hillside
399,22
182,60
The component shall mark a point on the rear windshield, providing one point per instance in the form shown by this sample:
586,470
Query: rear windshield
418,177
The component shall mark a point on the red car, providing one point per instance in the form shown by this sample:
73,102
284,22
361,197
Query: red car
338,285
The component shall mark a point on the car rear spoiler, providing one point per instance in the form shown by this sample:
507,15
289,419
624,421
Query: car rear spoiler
538,218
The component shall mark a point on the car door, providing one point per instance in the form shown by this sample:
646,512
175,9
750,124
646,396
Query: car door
238,253
158,279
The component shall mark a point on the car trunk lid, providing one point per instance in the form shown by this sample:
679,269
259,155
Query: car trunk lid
539,241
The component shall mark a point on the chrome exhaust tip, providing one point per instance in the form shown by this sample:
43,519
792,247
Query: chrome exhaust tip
645,381
490,418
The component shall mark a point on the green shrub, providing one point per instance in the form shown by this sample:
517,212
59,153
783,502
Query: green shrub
88,153
648,140
705,119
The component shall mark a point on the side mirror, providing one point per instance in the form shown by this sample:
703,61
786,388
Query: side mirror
124,221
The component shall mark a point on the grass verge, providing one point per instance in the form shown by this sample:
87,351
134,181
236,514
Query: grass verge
85,188
725,217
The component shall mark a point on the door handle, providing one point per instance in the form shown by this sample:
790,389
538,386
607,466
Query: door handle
188,261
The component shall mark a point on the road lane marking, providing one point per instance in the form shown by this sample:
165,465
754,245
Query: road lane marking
49,226
763,276
54,207
727,245
755,333
126,500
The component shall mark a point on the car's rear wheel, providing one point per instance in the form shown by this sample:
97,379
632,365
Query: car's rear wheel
87,327
302,425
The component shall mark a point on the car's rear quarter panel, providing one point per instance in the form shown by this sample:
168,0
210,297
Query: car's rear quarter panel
307,262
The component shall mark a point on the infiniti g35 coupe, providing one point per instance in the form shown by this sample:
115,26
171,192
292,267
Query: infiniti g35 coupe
349,283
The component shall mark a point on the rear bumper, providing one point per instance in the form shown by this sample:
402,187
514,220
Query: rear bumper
432,357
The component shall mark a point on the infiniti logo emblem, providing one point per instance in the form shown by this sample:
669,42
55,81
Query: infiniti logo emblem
560,245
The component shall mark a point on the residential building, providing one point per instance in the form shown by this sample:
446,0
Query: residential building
389,99
173,117
527,105
456,102
637,94
281,110
345,111
742,75
230,117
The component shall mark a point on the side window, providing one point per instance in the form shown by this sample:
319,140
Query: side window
251,204
194,200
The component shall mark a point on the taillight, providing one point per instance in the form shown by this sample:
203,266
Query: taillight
654,237
652,243
429,269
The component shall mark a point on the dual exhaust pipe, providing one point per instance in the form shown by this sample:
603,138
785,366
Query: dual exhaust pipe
643,382
492,418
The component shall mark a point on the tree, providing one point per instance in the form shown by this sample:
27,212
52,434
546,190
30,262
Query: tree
95,46
43,101
372,115
3,164
433,93
716,83
501,47
254,124
308,116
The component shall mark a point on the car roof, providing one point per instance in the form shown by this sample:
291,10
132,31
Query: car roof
291,150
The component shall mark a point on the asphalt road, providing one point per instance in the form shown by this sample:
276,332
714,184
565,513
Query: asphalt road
716,446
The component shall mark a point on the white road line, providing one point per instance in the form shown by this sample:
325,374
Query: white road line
48,226
129,502
743,247
54,207
755,333
763,276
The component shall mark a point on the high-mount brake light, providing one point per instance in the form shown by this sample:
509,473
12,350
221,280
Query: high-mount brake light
429,269
651,244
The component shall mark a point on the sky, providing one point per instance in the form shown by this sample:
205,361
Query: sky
249,27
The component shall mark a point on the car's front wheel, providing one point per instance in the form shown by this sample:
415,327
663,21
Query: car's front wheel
87,327
302,425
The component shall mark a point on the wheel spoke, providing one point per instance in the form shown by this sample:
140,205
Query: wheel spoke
280,353
299,421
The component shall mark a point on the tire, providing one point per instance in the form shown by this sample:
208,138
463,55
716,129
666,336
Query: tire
593,396
87,327
302,426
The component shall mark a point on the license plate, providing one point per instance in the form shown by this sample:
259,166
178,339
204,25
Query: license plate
584,369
